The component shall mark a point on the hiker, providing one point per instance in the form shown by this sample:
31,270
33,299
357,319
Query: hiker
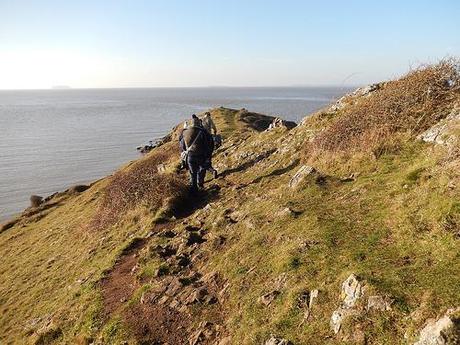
196,146
208,125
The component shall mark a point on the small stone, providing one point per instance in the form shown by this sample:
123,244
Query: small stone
134,269
163,300
168,234
337,318
313,296
277,341
378,303
280,281
174,303
268,297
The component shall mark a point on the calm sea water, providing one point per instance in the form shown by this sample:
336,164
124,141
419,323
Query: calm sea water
51,139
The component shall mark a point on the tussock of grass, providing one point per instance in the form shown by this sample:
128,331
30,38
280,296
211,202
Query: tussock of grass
140,184
410,104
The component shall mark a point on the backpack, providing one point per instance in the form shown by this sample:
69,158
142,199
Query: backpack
184,154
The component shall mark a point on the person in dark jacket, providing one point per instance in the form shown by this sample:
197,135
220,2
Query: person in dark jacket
196,146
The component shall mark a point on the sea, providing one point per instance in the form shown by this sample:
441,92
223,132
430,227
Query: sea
53,139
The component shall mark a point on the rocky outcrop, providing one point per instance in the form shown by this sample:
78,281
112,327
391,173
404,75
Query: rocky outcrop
444,331
360,92
35,200
352,291
441,133
280,123
300,175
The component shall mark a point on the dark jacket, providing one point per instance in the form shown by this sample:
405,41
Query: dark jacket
202,146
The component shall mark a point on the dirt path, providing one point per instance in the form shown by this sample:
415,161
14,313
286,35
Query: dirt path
182,306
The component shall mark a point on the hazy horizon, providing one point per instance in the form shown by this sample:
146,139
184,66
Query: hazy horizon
116,44
69,87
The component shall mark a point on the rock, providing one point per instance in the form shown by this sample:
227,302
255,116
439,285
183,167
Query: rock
161,168
166,251
35,200
378,303
48,334
277,341
337,318
135,269
352,290
78,188
197,295
285,212
313,296
368,89
182,260
192,238
206,330
444,331
168,234
300,175
280,123
440,132
174,287
268,297
280,281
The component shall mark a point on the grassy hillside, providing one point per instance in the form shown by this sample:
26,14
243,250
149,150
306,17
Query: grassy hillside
351,190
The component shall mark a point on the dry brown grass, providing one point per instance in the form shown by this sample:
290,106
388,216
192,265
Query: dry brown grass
407,106
141,184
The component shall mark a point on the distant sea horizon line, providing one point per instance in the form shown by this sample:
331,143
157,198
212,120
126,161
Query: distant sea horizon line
60,88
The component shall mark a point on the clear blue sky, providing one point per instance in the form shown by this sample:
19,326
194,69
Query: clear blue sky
135,43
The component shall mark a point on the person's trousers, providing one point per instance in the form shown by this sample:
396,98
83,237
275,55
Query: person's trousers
197,170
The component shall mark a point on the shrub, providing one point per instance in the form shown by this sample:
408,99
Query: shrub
140,184
410,105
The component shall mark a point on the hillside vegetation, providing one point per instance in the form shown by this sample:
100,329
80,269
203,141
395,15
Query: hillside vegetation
342,230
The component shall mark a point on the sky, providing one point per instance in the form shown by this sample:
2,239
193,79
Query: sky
174,43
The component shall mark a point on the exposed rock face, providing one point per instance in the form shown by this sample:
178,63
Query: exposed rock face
279,123
445,331
300,175
440,132
277,341
352,291
360,92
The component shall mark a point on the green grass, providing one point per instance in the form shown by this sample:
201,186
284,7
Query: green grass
394,226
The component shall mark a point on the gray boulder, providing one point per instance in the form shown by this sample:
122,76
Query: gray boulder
444,331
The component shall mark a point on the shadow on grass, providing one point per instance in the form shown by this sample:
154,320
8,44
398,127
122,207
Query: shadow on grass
277,172
247,164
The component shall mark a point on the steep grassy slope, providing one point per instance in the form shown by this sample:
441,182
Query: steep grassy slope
240,262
